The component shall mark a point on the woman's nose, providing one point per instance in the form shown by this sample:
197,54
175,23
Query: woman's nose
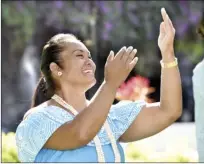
88,61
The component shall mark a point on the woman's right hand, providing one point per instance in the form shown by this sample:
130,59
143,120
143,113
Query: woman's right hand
118,67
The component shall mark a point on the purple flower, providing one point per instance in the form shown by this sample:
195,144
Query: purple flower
184,7
119,5
59,4
194,17
108,26
181,28
103,7
182,2
133,18
86,7
20,6
132,6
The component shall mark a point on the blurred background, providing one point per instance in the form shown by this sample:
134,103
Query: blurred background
102,26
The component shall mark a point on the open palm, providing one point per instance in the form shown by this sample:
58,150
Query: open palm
166,36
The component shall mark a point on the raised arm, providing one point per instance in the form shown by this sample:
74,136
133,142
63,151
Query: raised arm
87,124
155,117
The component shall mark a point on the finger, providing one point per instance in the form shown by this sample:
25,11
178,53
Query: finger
162,28
133,63
127,53
131,56
171,24
110,56
120,53
165,18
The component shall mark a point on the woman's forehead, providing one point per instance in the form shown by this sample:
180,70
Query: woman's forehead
75,46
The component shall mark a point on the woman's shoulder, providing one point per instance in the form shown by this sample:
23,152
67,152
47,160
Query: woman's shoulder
32,118
39,124
35,110
50,113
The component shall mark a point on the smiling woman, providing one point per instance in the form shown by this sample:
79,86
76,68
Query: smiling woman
63,126
68,72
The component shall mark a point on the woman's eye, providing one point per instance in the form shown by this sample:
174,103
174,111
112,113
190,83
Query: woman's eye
80,55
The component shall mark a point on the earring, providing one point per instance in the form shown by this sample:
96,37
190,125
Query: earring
59,73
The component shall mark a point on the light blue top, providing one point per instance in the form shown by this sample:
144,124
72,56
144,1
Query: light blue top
198,89
33,132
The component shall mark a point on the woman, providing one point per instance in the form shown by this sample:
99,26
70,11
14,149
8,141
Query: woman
198,78
63,126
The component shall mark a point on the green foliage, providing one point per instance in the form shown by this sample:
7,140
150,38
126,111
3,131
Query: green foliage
192,49
9,151
19,17
133,154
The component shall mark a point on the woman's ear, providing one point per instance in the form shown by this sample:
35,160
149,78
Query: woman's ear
55,69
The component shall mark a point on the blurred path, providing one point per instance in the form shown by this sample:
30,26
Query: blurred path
178,138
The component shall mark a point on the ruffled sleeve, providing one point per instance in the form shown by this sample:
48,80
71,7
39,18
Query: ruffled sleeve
122,115
33,132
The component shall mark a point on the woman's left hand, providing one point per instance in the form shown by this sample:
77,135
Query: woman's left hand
166,37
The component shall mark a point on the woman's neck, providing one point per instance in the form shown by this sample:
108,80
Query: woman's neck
74,97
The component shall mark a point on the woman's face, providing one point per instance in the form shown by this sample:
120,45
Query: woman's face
78,66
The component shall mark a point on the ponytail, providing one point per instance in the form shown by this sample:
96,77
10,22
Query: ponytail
41,93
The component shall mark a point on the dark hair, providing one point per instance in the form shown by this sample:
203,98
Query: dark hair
200,28
46,87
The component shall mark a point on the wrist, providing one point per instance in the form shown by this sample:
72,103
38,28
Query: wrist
110,86
166,58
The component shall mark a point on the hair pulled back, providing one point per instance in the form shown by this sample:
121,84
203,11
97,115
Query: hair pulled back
46,86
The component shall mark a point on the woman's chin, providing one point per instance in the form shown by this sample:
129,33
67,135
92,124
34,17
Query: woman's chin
89,80
90,77
92,82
